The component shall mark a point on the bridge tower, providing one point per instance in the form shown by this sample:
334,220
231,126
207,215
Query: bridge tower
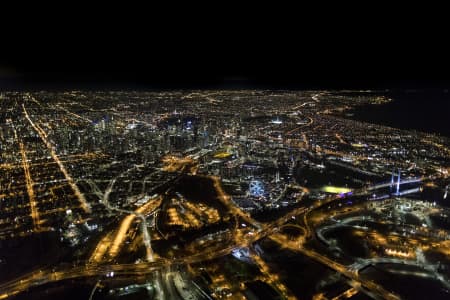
395,180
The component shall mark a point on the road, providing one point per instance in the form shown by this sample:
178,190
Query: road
387,184
29,183
45,276
114,247
84,204
372,286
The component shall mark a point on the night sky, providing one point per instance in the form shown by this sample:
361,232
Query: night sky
91,50
174,61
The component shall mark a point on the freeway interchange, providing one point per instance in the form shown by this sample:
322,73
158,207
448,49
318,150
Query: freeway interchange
262,230
247,237
81,160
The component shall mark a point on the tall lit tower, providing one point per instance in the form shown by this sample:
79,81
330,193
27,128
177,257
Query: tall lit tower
395,180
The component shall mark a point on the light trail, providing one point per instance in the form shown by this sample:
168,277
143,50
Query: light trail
29,183
70,181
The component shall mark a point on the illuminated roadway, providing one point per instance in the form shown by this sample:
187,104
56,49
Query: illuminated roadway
51,148
114,246
90,270
47,275
387,184
29,182
372,286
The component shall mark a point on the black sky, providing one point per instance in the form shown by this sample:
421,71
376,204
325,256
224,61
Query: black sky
165,54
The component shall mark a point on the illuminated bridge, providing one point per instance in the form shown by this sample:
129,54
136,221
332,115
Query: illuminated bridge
396,182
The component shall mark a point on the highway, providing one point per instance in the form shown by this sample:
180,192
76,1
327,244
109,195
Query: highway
370,285
114,246
148,208
45,276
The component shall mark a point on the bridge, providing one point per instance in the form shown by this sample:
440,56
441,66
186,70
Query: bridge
389,184
396,182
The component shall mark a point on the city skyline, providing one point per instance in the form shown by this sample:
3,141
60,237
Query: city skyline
221,194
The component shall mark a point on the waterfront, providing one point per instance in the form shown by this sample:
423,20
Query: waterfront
422,110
